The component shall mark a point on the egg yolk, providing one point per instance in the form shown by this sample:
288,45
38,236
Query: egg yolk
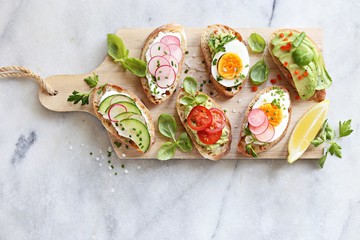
273,113
230,65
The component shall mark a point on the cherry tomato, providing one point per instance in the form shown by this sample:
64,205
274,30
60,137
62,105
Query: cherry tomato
218,122
199,118
208,138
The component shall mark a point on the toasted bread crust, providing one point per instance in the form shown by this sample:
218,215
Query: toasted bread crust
319,95
107,124
148,42
265,147
205,49
207,154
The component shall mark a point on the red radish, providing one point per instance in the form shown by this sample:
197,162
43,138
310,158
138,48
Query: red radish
156,62
169,39
165,76
267,135
115,110
159,49
172,62
256,117
260,129
176,51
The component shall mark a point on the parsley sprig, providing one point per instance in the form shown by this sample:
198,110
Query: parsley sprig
92,82
327,135
217,42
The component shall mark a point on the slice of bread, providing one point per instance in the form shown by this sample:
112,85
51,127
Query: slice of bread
168,28
107,124
224,149
205,49
319,95
260,148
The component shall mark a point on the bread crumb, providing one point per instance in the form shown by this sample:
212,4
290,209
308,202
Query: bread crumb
97,158
126,171
109,149
123,155
233,110
138,167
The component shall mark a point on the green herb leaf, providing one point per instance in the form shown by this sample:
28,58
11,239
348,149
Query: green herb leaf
249,149
116,47
200,98
77,97
299,39
335,149
92,81
257,43
216,42
329,132
167,125
187,100
247,131
317,142
303,56
190,86
135,66
184,142
322,160
259,72
166,151
345,128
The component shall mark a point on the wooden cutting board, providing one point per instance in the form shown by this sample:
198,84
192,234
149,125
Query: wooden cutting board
111,72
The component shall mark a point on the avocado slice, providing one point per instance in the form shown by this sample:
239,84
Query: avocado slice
105,104
136,131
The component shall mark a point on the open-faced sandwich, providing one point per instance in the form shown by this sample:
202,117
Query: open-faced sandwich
301,62
226,57
124,116
164,54
266,121
206,123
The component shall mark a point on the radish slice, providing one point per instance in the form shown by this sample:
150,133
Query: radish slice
256,117
156,62
115,110
169,39
267,135
165,76
176,51
159,49
172,62
260,129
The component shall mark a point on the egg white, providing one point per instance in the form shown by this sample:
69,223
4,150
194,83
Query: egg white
237,47
284,104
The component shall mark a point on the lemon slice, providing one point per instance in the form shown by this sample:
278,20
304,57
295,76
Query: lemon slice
306,129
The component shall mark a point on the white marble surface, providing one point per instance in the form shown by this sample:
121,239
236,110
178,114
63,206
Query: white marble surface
52,188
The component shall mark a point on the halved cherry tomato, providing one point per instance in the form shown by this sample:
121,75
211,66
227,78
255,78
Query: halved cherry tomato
209,138
218,121
199,118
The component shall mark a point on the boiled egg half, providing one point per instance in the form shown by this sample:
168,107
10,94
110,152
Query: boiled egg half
230,67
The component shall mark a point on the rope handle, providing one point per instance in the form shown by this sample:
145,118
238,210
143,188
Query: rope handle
22,72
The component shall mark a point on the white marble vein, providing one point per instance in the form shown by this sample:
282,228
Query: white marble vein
51,187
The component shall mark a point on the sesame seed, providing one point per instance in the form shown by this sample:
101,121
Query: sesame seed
123,155
126,171
233,110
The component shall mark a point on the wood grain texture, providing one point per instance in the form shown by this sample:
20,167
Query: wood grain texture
110,72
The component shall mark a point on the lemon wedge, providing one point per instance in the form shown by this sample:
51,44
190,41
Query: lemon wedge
306,129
